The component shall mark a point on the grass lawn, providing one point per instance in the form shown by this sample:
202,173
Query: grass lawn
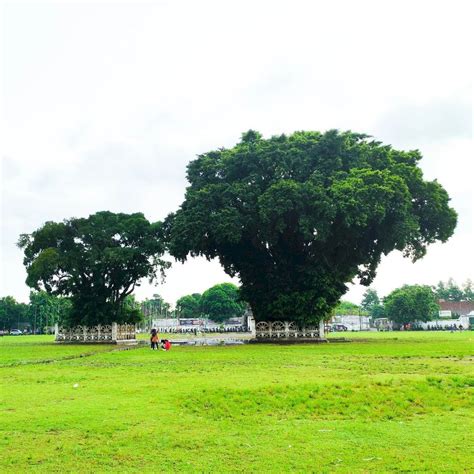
389,402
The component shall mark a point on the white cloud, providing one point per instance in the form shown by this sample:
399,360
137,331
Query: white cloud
433,122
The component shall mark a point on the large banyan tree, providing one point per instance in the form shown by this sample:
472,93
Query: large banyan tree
297,217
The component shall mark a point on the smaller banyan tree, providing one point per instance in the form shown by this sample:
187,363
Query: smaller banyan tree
297,217
97,262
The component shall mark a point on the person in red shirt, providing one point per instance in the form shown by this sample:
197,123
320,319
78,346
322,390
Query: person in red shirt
165,344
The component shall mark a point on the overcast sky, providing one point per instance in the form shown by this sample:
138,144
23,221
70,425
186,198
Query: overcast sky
104,105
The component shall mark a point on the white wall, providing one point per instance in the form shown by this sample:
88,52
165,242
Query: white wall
354,322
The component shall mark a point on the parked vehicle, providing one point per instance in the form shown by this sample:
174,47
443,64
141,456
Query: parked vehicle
15,332
339,327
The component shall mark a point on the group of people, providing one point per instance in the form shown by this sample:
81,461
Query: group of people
432,327
196,330
164,344
222,329
452,328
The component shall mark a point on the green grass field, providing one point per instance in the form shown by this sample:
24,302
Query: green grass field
389,402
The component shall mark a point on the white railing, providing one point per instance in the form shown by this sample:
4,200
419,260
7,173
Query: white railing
108,333
287,330
125,332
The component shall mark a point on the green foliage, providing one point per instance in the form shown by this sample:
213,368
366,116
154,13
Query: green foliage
96,261
468,290
346,307
43,311
370,299
11,313
372,304
189,306
130,310
377,311
156,307
46,309
222,302
296,217
410,304
451,291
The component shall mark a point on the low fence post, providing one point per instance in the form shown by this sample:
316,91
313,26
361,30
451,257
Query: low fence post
251,325
321,328
114,331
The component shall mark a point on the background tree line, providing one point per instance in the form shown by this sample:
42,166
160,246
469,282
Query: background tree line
219,303
451,291
41,312
404,305
412,303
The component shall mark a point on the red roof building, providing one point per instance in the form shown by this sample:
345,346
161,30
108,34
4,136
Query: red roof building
456,307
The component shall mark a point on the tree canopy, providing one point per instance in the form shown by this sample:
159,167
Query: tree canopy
468,290
411,303
372,304
222,302
11,313
189,306
370,299
42,312
156,307
346,307
297,217
45,310
451,291
96,261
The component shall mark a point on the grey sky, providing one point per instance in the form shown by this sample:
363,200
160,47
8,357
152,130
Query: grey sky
105,104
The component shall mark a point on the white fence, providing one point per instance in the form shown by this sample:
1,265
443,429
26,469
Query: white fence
106,334
287,330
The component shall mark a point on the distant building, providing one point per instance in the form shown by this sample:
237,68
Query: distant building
452,313
449,309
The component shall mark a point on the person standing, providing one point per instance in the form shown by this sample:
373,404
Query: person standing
154,339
